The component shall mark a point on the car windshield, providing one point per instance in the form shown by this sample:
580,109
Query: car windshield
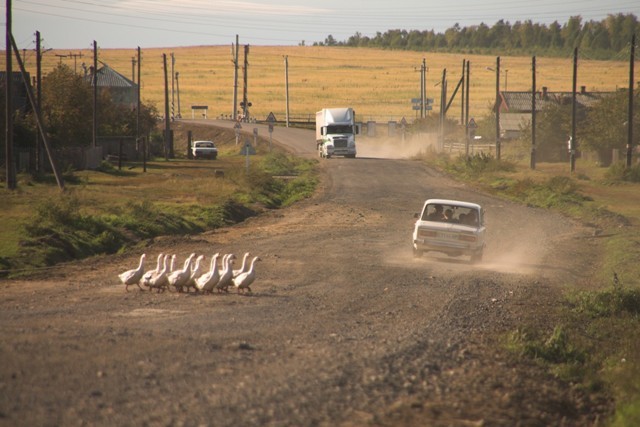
204,144
451,213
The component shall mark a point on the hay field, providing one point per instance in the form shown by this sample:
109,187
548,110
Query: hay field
378,84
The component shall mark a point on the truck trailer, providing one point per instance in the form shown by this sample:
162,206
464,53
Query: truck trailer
336,132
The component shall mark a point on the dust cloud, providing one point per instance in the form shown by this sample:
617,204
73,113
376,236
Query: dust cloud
396,147
512,248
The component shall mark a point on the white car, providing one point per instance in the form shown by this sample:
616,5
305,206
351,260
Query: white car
204,149
452,227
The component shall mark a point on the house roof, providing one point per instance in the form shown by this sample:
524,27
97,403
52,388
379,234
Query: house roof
108,77
520,102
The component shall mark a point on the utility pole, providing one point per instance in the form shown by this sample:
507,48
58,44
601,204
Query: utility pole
466,108
11,167
574,108
133,69
95,95
38,99
424,86
138,106
234,59
443,108
38,116
245,68
167,125
462,116
173,98
75,57
533,112
630,117
422,90
286,85
178,94
498,108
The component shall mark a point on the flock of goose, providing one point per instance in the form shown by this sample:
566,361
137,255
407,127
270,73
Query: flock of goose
193,275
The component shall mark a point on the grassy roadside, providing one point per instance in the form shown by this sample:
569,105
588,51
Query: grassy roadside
109,210
595,345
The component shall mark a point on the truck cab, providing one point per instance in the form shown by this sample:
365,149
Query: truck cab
335,132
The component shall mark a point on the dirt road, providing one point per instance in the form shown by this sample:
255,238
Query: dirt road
343,327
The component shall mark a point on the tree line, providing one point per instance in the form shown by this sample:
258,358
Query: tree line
603,39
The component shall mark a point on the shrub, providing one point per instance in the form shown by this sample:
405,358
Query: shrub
619,172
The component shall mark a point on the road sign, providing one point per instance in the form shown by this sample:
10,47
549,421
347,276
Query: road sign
255,131
271,118
237,126
248,149
472,124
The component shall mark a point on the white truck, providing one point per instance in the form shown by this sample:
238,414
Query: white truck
336,132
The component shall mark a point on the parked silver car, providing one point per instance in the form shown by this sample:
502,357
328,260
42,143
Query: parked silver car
452,227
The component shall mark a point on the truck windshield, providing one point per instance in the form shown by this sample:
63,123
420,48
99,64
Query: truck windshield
333,129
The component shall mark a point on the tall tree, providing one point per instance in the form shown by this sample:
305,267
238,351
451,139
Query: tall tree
605,128
67,107
571,32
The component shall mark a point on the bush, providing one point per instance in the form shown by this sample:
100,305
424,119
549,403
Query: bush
614,302
619,172
477,164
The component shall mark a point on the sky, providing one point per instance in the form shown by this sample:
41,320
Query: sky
75,24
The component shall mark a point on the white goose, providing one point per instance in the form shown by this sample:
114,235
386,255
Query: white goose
196,272
160,281
226,274
132,277
244,280
207,281
173,263
179,278
148,275
243,268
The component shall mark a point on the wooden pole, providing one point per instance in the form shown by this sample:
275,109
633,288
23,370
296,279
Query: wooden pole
95,94
631,89
234,53
498,99
167,122
464,68
39,153
466,108
10,162
574,109
38,115
533,113
286,84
